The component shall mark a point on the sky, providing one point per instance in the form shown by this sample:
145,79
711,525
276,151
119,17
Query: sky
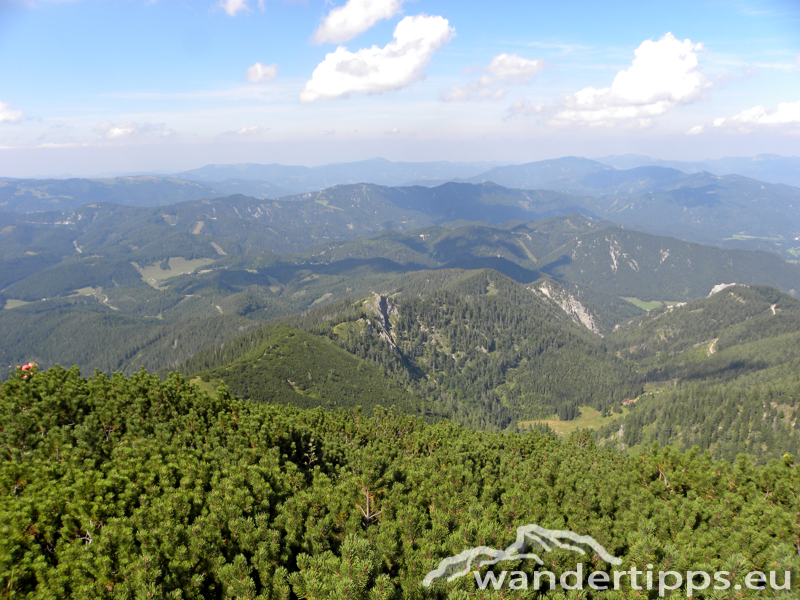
92,87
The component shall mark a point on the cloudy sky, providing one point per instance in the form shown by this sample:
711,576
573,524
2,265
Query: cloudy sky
108,86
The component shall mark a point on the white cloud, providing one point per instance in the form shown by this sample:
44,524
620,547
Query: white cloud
504,68
7,115
252,130
511,68
663,76
373,70
110,131
787,113
522,107
262,73
233,6
346,22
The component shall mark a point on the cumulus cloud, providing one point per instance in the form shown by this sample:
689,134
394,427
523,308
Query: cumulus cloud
110,131
259,73
504,68
346,22
787,113
512,69
7,115
233,6
663,76
373,70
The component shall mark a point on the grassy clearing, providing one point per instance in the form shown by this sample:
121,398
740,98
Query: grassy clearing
87,291
590,419
649,305
741,236
14,303
326,204
205,386
322,298
152,274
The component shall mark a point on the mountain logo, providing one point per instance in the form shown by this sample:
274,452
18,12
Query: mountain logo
459,565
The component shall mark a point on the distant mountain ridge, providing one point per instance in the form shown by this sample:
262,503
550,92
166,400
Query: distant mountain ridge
300,179
33,195
730,211
771,168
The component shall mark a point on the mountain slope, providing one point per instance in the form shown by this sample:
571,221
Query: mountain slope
292,367
485,350
726,210
554,174
630,263
723,374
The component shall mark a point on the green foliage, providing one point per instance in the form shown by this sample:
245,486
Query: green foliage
137,487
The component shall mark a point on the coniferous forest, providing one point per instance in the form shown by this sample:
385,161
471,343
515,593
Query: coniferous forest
166,491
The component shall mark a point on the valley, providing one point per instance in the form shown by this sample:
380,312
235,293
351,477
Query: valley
507,307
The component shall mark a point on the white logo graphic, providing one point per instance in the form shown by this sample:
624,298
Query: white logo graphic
457,566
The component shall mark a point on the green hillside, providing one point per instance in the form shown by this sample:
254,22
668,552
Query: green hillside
481,348
295,368
722,374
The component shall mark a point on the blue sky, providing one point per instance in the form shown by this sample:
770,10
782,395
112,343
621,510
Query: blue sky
99,86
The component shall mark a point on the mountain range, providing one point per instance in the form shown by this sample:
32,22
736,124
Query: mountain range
582,301
729,211
772,168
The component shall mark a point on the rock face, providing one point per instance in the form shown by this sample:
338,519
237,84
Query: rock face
721,286
568,303
383,307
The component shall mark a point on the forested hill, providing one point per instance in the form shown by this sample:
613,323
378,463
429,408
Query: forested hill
482,349
489,353
123,488
721,373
